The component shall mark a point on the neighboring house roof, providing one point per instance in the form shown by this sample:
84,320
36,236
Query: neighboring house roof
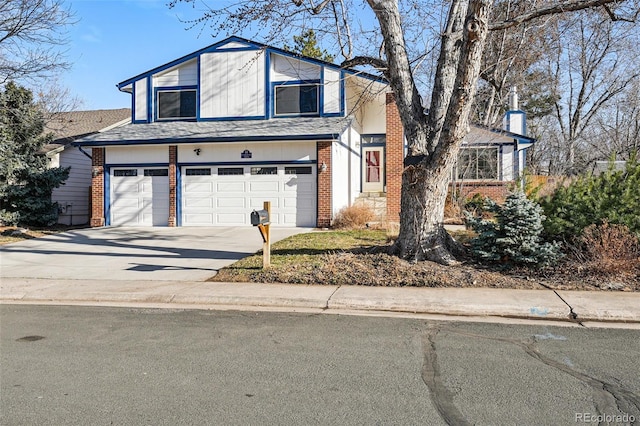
69,126
298,128
492,136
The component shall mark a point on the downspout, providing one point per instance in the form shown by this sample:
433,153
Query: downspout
84,152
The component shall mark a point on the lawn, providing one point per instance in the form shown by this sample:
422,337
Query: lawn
359,257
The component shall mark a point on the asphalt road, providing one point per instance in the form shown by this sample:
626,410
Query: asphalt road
104,366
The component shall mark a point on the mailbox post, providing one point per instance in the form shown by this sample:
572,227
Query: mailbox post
262,219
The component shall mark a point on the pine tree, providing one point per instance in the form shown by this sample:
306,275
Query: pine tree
26,182
514,237
306,44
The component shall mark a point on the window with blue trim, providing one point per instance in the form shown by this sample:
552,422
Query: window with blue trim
296,99
176,104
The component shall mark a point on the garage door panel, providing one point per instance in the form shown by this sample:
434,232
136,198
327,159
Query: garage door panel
233,187
198,187
272,186
198,202
139,200
292,197
231,202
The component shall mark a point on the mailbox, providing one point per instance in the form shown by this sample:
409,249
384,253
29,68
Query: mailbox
259,217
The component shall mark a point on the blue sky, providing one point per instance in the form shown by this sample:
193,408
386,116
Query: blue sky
117,39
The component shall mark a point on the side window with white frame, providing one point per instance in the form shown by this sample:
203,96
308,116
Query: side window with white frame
296,99
176,104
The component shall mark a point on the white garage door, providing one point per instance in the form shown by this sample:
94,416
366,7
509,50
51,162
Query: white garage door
225,196
139,197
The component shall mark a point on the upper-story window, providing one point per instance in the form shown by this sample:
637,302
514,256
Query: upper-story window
176,104
299,99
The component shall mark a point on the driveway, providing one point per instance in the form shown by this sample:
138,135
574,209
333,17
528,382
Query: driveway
167,254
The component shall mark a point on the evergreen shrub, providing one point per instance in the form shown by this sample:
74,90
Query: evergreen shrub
612,197
514,235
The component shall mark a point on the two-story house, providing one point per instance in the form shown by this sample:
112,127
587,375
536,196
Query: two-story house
217,132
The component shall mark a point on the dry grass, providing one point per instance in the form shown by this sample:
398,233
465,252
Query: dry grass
354,217
360,257
12,234
610,252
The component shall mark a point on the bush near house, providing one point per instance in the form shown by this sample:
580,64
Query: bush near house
353,217
612,197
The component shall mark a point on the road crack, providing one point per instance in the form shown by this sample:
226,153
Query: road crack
441,396
608,397
326,306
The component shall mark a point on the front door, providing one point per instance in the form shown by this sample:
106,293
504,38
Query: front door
373,169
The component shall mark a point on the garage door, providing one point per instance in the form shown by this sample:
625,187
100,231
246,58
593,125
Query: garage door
225,196
139,197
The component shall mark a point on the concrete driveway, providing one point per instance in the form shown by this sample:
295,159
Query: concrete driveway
139,254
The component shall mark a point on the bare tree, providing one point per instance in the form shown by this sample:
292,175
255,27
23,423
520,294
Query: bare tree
592,65
32,33
433,140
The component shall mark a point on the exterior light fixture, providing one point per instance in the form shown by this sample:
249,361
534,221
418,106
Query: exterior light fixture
323,167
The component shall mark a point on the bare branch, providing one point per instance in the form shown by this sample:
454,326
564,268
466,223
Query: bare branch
366,60
569,6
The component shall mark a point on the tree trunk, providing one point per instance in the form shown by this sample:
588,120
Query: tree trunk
422,234
425,180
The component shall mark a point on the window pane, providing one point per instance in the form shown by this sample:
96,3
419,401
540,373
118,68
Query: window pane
127,172
374,139
156,172
487,163
227,171
198,172
466,164
373,166
264,170
177,104
297,170
297,99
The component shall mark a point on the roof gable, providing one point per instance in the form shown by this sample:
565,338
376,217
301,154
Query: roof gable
238,43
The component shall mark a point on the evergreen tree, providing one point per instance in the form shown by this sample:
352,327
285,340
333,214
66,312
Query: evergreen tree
612,197
306,44
514,237
26,182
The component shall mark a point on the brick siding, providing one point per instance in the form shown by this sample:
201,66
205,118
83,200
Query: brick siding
173,160
324,184
497,191
97,187
395,158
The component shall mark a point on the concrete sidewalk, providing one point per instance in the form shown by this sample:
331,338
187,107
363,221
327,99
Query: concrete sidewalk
576,306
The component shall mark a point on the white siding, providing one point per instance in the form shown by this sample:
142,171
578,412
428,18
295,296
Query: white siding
507,162
261,151
73,196
141,99
232,84
339,176
290,69
345,163
137,155
355,166
185,74
331,91
374,119
233,45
